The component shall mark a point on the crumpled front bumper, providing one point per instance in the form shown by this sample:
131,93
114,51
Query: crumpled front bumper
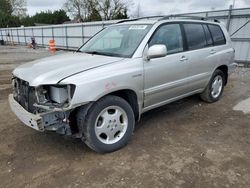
33,121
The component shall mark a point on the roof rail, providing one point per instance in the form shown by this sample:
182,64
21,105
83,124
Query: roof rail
183,16
168,17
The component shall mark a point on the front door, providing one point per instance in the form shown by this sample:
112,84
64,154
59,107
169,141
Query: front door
165,78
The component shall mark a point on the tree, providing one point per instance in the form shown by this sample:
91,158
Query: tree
56,17
7,20
92,13
60,16
121,15
19,7
109,9
76,8
5,7
93,10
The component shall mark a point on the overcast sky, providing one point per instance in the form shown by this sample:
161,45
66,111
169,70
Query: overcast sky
150,7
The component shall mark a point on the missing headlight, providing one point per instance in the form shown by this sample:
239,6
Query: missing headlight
58,94
55,95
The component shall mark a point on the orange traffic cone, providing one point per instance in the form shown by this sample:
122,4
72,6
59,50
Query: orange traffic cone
52,46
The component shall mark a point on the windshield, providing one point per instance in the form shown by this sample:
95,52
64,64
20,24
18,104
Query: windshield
118,41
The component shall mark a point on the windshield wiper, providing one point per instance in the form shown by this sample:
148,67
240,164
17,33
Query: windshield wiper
100,53
96,53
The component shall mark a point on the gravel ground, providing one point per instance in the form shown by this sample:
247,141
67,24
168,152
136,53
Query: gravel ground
184,144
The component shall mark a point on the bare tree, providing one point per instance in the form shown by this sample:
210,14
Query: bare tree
76,8
109,9
19,7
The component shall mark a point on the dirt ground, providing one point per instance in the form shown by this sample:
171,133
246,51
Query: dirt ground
184,144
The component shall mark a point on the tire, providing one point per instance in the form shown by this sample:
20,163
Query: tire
213,92
108,124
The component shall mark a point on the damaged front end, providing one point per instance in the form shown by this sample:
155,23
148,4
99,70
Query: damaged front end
45,107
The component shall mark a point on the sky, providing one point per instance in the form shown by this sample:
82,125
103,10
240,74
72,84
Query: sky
150,7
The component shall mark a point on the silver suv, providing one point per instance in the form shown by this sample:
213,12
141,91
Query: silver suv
98,92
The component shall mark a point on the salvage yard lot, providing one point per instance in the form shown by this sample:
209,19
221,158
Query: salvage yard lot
184,144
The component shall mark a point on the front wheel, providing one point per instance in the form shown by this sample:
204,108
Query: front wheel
108,125
215,87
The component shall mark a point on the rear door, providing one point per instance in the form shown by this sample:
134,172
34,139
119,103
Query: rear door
201,54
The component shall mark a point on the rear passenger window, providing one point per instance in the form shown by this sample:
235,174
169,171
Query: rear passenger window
208,36
195,36
169,35
217,34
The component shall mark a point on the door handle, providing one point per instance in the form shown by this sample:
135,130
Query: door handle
183,58
212,51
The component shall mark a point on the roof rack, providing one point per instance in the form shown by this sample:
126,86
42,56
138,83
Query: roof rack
168,17
188,17
183,16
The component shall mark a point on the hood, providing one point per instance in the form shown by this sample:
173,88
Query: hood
52,70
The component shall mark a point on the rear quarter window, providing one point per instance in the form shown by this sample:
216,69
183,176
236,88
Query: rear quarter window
217,35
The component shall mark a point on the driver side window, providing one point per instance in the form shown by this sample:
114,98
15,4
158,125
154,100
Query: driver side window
169,35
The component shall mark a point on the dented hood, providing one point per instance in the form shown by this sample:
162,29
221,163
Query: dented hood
52,70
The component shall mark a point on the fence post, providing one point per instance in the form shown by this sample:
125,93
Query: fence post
24,36
42,38
229,17
66,37
1,34
82,34
17,36
32,29
206,15
11,37
52,32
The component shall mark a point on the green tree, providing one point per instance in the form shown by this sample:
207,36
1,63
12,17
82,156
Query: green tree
60,16
7,20
27,21
56,17
5,7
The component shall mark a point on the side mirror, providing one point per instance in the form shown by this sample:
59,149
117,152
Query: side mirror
157,51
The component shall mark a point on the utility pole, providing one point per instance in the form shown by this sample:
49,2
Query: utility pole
234,1
229,17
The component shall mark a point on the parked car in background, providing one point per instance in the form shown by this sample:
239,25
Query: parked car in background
99,92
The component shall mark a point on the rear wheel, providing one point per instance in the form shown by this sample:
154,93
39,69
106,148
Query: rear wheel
108,124
215,87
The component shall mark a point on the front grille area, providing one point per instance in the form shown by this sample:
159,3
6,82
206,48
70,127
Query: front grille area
24,94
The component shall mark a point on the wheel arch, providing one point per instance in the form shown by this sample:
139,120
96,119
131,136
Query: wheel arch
224,69
131,97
